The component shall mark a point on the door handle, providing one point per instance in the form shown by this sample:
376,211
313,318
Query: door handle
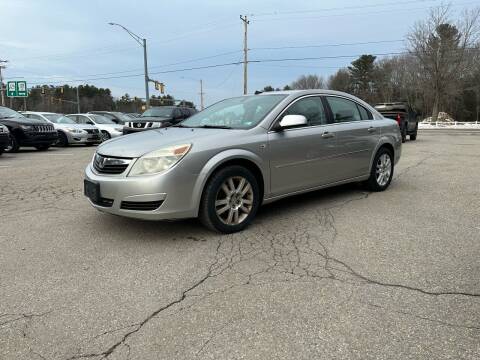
371,129
327,135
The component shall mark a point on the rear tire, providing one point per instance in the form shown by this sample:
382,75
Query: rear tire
413,136
230,200
404,133
381,173
13,146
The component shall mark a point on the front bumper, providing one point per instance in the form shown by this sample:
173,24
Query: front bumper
173,189
4,141
83,138
38,138
129,130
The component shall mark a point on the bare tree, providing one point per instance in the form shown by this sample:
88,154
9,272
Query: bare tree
340,81
442,49
308,82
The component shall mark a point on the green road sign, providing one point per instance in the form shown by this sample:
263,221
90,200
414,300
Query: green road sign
17,89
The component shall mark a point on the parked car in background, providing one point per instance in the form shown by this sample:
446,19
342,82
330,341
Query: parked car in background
222,163
158,117
69,132
4,138
116,116
404,115
106,126
27,132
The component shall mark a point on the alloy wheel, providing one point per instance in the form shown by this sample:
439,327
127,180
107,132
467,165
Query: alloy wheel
383,169
234,200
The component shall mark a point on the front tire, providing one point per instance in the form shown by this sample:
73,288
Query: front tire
62,140
42,147
230,200
13,146
105,135
381,173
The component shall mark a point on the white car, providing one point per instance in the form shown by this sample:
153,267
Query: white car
69,132
107,127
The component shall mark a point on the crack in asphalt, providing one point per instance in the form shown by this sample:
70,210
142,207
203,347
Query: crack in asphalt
285,251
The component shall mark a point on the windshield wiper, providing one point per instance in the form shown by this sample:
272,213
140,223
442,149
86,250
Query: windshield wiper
214,127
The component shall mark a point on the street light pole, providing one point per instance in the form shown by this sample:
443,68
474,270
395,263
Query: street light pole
143,43
1,81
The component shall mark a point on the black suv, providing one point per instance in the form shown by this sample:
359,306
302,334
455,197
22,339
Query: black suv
4,138
27,132
404,115
116,116
158,117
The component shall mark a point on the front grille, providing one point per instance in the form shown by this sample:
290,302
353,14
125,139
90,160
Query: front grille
92,131
141,205
43,128
104,202
139,125
110,165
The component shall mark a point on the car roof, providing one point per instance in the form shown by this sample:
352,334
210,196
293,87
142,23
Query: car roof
40,112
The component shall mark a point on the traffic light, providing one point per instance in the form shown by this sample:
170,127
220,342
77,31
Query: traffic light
162,88
157,85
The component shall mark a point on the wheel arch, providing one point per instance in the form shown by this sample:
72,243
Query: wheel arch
385,142
247,159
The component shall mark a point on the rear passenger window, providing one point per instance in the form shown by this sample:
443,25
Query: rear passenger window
366,115
343,110
311,108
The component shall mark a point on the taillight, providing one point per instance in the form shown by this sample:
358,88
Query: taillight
399,119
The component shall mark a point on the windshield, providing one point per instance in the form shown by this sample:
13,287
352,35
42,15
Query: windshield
99,119
53,117
242,112
62,120
159,111
9,113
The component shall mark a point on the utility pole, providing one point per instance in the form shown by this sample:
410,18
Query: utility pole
1,81
201,95
245,53
78,101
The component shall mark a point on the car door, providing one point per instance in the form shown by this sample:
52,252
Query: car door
302,157
357,136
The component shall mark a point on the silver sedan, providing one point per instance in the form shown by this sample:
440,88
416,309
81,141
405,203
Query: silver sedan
221,164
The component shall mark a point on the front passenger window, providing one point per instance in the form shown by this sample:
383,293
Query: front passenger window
343,110
310,107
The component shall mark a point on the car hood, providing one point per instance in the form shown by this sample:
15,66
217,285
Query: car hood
138,144
22,121
75,126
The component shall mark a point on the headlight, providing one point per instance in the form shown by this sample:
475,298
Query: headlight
3,129
26,127
74,131
156,124
159,160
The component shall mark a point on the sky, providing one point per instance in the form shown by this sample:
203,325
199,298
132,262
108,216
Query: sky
63,41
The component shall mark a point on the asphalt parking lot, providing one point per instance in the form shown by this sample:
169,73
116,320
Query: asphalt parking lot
335,274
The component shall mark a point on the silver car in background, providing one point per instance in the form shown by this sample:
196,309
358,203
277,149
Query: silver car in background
221,164
107,127
69,132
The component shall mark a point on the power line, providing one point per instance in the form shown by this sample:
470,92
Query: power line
327,45
358,13
228,53
222,65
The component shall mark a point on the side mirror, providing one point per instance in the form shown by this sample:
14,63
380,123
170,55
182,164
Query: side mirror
292,121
